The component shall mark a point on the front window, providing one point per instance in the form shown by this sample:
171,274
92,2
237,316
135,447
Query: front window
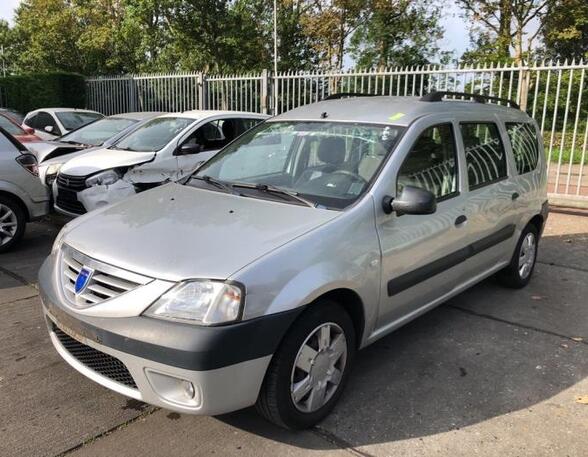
72,120
154,135
328,163
98,132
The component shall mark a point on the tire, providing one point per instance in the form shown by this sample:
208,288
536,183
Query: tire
276,400
12,223
517,276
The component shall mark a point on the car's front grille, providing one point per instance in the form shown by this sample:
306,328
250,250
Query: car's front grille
103,364
75,183
68,201
67,193
104,281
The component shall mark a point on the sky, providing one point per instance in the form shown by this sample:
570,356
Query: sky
456,34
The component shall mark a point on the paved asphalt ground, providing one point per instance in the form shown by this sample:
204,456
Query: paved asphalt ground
493,372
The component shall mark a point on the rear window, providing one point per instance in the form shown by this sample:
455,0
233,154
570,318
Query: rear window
485,156
525,148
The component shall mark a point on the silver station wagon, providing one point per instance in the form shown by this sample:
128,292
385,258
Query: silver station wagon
257,279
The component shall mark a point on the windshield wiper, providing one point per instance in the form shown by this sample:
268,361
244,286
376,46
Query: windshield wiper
217,183
72,142
278,191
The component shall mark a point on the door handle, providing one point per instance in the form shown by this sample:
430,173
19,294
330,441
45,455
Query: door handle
460,220
514,196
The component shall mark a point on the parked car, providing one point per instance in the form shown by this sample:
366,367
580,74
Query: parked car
310,237
26,135
14,115
163,149
22,197
50,123
103,132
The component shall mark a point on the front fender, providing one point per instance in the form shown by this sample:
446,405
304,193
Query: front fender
344,253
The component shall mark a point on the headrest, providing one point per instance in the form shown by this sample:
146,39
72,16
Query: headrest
332,150
228,129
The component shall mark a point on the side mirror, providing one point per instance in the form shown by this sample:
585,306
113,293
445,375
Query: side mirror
48,128
187,149
29,130
412,200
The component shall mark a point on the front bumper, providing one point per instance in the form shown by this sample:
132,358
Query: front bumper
225,365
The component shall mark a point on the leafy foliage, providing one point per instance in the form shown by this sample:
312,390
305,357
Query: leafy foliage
31,91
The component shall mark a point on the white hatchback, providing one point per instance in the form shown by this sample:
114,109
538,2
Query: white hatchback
162,150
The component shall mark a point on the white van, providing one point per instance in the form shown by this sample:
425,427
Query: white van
164,149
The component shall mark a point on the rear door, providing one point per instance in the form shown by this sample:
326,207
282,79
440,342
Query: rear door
422,255
490,211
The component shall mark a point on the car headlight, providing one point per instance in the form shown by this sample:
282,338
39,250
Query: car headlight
201,302
53,169
58,241
104,178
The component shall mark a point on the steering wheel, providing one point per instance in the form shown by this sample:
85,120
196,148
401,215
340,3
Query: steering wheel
355,176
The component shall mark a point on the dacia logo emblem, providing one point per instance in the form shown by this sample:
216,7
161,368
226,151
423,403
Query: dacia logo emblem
83,279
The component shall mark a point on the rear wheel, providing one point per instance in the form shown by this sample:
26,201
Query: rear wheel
308,372
12,223
518,273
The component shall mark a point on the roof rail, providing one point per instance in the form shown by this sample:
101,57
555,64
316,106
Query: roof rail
437,96
341,95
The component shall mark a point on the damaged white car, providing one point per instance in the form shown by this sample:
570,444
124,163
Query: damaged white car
164,149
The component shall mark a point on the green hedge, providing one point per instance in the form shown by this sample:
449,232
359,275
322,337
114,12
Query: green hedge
43,90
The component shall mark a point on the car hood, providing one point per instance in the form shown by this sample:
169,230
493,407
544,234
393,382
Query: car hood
177,232
104,159
45,150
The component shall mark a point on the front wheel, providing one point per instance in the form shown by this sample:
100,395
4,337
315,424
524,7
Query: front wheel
518,273
308,372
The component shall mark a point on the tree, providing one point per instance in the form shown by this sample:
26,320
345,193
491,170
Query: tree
9,49
565,30
399,33
506,25
330,23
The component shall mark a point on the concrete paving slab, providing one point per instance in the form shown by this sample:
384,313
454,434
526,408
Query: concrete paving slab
166,434
565,241
12,289
26,257
47,407
556,300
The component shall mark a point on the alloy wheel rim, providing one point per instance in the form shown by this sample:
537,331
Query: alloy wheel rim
318,368
527,255
8,224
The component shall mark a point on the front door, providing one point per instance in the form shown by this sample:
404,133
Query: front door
422,254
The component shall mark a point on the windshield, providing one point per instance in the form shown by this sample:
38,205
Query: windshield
98,132
154,135
329,163
10,127
72,120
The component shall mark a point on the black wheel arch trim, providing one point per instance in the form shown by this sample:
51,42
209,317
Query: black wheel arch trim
414,277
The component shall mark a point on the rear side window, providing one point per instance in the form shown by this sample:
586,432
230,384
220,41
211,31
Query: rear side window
484,151
523,139
431,163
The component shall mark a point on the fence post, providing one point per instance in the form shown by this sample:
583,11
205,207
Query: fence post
524,82
264,92
202,83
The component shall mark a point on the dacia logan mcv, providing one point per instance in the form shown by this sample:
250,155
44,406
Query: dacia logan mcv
307,238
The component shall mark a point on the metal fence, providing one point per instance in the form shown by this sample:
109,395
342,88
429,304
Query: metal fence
553,93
